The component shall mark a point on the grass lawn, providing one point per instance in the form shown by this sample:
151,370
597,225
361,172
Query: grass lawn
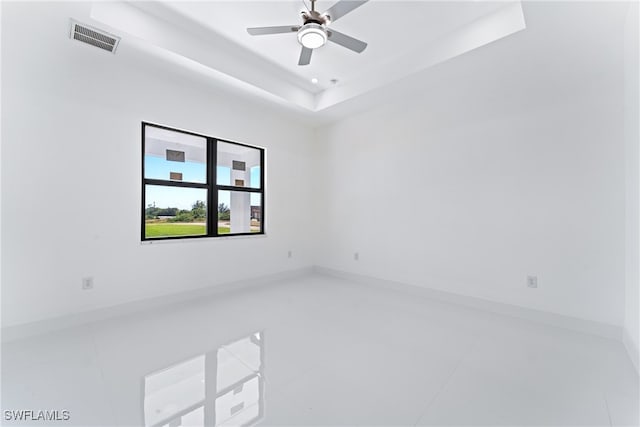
167,229
170,229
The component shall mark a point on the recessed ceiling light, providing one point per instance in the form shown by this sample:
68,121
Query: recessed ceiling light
314,81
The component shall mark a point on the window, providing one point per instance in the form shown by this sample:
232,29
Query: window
199,186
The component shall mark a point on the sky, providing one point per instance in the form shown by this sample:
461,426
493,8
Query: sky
184,198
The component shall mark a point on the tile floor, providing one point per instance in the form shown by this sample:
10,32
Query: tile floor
319,351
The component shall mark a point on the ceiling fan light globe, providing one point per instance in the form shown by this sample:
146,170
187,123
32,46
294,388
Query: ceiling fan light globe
312,36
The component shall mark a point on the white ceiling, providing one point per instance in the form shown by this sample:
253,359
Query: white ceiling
404,37
391,29
566,47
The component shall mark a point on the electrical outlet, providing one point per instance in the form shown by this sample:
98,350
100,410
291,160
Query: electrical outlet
356,256
532,281
87,283
290,254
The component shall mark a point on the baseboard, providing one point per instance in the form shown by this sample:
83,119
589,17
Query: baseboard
548,318
632,349
16,332
11,333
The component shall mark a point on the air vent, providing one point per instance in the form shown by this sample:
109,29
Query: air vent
94,36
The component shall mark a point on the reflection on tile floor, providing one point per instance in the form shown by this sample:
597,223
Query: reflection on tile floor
320,351
222,387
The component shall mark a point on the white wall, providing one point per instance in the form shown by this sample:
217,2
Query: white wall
465,187
71,173
482,178
632,138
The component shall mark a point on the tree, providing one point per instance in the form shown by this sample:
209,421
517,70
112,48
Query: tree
199,210
224,212
151,212
167,212
182,216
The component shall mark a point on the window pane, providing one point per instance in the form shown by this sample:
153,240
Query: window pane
223,175
239,212
174,156
175,211
255,177
238,165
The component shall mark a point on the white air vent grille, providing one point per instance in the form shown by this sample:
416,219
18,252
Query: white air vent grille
94,36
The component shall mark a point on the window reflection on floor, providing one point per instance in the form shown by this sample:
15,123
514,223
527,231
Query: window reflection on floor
223,387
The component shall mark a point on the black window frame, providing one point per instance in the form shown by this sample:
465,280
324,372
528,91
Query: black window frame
211,186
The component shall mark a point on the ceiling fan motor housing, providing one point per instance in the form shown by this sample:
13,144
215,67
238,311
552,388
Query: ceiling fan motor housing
313,34
314,16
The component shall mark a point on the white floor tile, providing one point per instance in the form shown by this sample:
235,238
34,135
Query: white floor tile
321,351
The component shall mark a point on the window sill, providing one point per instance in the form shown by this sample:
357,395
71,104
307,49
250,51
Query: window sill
200,239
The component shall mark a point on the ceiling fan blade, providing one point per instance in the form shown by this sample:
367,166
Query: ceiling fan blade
347,41
305,56
260,31
343,7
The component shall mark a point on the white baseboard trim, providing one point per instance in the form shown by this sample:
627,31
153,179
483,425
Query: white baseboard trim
16,332
632,349
580,325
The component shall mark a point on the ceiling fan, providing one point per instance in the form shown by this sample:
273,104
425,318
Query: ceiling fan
313,33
